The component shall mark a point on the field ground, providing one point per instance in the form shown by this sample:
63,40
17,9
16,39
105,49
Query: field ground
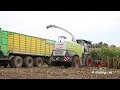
46,72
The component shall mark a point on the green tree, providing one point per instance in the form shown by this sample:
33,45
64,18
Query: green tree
112,46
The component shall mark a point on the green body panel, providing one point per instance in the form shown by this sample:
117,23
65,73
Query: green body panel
50,41
4,42
75,47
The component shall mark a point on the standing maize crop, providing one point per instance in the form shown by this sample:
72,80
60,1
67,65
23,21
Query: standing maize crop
109,55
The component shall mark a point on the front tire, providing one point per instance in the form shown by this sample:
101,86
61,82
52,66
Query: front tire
76,62
50,62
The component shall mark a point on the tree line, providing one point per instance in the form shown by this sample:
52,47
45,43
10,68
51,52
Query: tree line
101,45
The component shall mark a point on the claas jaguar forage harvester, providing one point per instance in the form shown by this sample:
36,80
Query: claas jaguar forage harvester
74,53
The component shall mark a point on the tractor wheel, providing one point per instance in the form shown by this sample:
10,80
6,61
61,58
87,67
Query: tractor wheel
28,62
38,62
89,61
16,62
50,62
76,62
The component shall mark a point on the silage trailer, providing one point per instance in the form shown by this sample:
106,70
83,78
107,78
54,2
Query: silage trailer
17,50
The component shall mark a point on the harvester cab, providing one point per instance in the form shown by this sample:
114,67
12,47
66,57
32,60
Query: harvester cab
62,39
86,44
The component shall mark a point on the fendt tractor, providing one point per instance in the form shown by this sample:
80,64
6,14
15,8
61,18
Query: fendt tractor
20,50
74,53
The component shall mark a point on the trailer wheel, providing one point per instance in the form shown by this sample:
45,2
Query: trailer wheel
16,62
89,61
28,62
75,62
38,61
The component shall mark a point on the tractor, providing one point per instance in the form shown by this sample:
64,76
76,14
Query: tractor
74,53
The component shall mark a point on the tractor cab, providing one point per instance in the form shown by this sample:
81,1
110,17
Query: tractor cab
62,39
86,44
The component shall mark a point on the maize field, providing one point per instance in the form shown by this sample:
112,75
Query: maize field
110,56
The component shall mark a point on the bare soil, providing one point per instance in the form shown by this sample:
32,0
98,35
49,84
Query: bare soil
46,72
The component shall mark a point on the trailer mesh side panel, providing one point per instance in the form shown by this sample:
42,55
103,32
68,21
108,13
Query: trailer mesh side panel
29,44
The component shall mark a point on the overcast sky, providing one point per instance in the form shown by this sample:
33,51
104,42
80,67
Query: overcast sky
95,26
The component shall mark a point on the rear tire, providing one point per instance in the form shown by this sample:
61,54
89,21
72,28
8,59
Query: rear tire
28,62
38,62
16,62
